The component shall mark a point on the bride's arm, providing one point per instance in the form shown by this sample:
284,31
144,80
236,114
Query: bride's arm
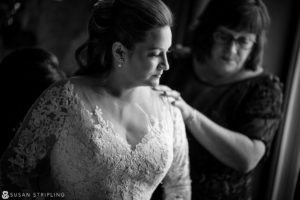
25,164
177,183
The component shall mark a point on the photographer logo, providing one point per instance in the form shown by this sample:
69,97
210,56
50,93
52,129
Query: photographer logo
5,195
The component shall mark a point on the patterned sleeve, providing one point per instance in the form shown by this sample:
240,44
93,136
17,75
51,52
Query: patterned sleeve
177,183
261,111
24,166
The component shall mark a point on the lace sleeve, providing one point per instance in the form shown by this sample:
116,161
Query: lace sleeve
24,164
261,112
177,183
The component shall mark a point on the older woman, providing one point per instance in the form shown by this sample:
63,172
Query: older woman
231,107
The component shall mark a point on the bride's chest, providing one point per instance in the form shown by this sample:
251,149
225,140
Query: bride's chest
95,143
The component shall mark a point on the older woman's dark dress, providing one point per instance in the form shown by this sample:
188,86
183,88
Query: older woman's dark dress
251,107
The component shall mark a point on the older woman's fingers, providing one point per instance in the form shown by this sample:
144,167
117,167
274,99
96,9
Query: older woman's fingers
161,88
168,92
173,93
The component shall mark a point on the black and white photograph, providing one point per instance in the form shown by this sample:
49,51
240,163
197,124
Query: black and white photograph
150,99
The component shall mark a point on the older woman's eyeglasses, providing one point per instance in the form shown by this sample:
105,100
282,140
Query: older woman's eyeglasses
242,42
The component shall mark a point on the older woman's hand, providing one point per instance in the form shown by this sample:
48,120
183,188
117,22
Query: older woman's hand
175,98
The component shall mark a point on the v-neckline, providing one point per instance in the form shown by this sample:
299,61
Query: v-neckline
109,125
96,115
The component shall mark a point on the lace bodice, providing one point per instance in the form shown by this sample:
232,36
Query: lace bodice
63,146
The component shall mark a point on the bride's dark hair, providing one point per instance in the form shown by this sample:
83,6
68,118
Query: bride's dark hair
125,21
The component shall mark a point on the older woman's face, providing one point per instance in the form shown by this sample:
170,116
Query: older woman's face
230,50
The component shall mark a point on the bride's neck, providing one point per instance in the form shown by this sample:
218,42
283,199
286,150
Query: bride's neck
114,88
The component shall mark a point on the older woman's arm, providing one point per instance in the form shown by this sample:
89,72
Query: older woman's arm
259,116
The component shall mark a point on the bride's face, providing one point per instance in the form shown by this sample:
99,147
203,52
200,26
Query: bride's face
147,61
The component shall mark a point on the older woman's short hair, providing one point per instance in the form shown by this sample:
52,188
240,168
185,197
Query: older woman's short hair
240,15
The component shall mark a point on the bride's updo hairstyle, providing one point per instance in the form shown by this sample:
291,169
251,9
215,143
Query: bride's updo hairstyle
124,21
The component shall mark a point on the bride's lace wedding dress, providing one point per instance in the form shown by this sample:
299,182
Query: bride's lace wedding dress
63,146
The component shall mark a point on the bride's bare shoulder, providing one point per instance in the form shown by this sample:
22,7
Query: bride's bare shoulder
150,94
152,100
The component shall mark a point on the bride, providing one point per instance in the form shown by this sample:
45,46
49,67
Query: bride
104,133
